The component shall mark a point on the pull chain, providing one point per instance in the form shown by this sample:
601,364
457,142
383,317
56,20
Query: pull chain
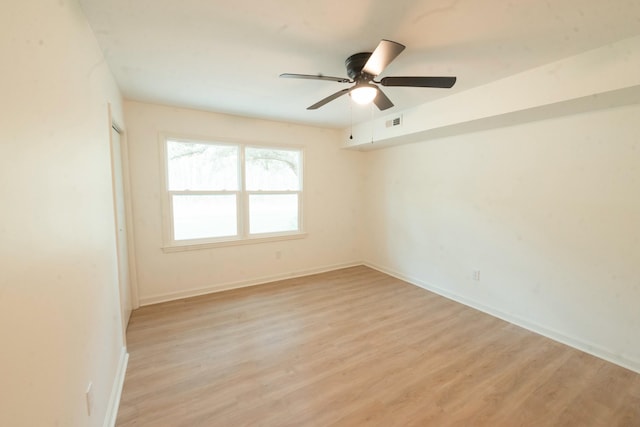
351,111
372,123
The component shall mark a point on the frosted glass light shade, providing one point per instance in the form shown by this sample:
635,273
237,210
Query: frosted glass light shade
364,94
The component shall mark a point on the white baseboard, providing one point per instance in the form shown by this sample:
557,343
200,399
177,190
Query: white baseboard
590,348
171,296
116,390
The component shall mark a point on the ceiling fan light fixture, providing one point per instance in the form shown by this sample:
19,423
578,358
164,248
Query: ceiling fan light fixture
363,68
364,94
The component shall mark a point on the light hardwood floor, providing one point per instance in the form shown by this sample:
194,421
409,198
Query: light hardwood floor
357,347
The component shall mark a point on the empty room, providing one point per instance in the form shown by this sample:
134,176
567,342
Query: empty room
295,213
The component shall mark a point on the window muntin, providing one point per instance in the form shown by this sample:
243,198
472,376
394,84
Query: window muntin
219,192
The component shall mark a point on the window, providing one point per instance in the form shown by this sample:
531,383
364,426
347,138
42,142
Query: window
220,192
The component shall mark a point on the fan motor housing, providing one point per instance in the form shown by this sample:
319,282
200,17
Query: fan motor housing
355,63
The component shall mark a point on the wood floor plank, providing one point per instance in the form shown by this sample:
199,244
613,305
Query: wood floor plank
357,347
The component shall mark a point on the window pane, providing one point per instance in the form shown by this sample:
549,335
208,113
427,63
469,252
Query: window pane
194,166
199,217
273,213
272,170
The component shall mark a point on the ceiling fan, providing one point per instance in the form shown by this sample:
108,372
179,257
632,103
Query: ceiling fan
363,68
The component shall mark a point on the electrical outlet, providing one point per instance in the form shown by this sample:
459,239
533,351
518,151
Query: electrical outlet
89,398
476,275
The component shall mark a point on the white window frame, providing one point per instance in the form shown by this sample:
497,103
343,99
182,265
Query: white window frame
242,198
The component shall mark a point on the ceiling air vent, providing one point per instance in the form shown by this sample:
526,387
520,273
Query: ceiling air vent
396,121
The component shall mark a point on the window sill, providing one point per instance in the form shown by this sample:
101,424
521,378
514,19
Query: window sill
237,242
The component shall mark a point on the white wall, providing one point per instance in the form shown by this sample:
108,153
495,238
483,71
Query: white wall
59,316
333,188
548,211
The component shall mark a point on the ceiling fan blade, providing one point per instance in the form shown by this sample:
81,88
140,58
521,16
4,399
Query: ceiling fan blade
441,82
382,101
315,77
328,99
386,52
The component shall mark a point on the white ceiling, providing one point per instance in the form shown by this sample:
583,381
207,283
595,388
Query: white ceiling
225,56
